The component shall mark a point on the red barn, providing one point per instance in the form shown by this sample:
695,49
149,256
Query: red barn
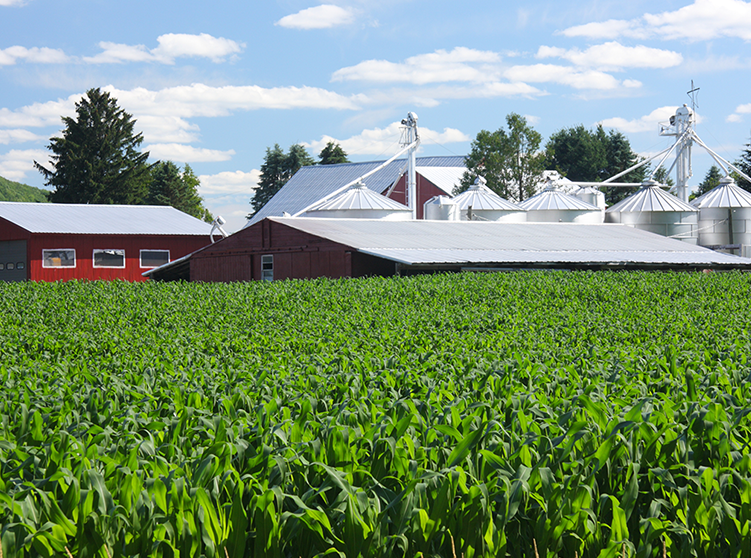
54,242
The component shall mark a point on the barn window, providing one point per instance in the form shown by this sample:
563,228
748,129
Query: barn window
154,258
20,265
109,258
267,268
2,266
11,265
59,258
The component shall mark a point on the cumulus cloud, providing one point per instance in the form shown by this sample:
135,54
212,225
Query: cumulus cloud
578,79
229,182
39,115
171,46
186,153
614,56
11,55
379,140
16,163
460,64
703,20
18,136
12,2
318,17
740,110
647,123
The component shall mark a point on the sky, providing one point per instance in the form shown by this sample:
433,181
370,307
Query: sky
214,84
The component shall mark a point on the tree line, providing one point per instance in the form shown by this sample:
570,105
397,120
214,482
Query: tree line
96,160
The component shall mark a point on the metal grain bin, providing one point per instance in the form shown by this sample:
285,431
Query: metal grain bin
725,218
552,206
486,205
359,202
655,210
441,208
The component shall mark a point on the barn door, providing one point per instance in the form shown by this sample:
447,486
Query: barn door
13,264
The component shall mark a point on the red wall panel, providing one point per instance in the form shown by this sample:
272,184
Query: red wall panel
425,190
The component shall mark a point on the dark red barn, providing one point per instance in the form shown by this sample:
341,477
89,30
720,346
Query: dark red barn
54,242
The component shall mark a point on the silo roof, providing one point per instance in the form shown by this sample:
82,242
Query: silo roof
650,198
724,195
359,197
554,200
482,198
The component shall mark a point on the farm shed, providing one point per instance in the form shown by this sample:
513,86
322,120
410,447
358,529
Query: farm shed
435,176
53,242
306,248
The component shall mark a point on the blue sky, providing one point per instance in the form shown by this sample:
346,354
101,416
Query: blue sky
213,84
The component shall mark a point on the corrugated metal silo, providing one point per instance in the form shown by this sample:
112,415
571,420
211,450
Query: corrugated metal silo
655,210
552,206
441,208
359,202
725,218
486,205
591,195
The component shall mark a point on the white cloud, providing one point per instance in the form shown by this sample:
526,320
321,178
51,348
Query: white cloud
614,56
229,182
318,17
166,129
739,111
18,136
12,2
647,123
16,163
461,64
380,140
171,46
703,20
39,114
186,153
734,118
11,55
578,79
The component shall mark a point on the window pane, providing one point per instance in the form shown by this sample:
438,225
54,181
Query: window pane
20,265
2,266
109,258
11,265
154,258
58,258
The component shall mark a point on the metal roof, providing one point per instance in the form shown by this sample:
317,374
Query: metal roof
446,178
724,195
466,242
359,197
481,198
650,198
63,218
312,183
551,199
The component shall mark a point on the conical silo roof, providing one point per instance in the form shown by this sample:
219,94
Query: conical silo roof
650,198
359,197
482,198
727,194
551,199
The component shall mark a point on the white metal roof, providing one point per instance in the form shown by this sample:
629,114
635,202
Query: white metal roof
724,195
446,178
650,198
467,242
481,198
66,218
359,197
551,199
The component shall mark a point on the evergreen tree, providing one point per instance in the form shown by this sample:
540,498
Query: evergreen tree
180,190
276,170
744,164
508,160
97,159
332,154
711,181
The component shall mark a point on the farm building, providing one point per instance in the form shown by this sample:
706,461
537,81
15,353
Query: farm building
53,242
435,176
305,248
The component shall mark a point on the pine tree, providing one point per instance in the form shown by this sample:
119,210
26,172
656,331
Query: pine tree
276,170
711,181
744,164
97,158
332,154
170,187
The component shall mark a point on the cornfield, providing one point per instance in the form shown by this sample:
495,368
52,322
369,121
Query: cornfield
472,415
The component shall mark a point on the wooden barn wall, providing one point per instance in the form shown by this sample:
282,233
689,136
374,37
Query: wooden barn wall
425,190
85,245
297,255
365,265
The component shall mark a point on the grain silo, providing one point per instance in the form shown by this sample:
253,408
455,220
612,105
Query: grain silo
441,208
590,195
552,206
725,218
655,210
359,202
480,203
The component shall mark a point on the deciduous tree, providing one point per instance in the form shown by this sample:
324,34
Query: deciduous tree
97,160
169,186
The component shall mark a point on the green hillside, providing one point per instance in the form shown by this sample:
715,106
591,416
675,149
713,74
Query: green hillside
17,192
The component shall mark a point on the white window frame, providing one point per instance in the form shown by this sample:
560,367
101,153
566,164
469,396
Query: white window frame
99,251
44,259
140,257
267,274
